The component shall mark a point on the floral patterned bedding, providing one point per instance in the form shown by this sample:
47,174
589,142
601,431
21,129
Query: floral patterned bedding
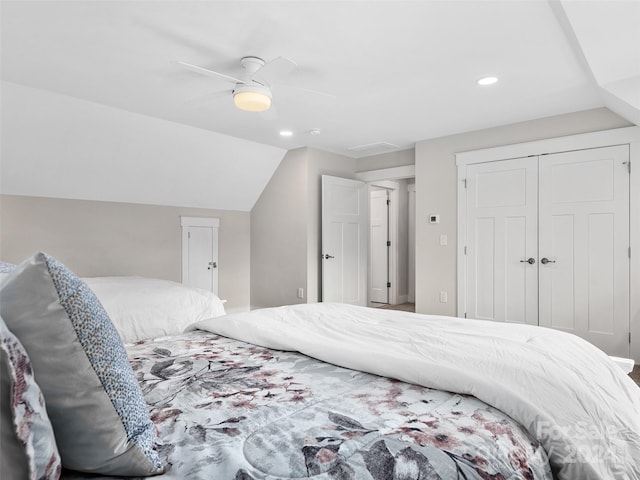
225,409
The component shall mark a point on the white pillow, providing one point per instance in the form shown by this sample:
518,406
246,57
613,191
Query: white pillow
147,307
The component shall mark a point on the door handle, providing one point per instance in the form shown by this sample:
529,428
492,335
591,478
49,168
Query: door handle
326,256
529,260
545,260
212,265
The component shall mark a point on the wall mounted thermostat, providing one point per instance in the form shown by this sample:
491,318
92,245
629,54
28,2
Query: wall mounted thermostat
434,218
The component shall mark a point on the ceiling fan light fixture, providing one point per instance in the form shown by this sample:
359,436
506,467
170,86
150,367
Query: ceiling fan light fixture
252,98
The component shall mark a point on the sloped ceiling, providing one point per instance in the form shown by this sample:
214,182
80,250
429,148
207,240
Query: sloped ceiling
397,72
607,36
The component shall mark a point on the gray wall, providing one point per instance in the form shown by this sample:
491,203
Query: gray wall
108,238
436,192
285,228
320,163
279,235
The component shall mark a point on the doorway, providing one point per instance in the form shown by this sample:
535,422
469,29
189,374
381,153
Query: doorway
391,226
345,218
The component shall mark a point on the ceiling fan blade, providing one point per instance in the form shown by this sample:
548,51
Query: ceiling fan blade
210,73
275,69
208,98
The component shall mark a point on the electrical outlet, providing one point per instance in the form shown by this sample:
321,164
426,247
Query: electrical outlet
443,297
301,293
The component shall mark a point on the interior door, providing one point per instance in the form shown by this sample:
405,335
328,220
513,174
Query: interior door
344,240
502,241
200,252
584,240
379,245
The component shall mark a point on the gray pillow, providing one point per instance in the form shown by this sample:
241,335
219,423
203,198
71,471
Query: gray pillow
28,447
95,404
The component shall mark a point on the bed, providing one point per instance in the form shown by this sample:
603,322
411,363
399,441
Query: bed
325,391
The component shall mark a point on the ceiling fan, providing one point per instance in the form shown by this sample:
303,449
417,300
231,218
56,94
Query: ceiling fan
252,91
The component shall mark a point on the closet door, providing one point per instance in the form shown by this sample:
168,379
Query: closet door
200,252
502,241
584,240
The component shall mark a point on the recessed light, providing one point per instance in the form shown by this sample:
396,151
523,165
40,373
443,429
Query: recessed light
487,80
286,133
314,131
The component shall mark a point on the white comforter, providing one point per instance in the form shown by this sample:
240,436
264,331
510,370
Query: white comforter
569,395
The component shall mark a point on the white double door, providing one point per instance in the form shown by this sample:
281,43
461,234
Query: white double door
547,243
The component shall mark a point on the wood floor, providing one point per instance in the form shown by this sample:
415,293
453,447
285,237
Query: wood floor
405,307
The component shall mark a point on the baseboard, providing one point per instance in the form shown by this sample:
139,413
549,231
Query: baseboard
402,299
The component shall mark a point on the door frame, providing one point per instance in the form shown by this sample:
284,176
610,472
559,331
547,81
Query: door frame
385,177
619,136
411,254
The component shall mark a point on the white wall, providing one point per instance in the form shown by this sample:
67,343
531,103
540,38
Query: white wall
108,238
436,192
58,146
387,160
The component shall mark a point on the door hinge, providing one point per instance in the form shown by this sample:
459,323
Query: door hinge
465,182
629,337
465,314
388,201
388,284
628,166
465,249
188,234
388,243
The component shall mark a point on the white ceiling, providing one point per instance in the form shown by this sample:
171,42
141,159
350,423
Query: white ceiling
399,71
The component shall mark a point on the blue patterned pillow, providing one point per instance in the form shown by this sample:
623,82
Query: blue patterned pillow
6,267
28,444
95,404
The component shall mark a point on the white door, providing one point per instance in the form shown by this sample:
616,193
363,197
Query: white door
200,252
344,240
502,241
379,245
567,214
584,240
